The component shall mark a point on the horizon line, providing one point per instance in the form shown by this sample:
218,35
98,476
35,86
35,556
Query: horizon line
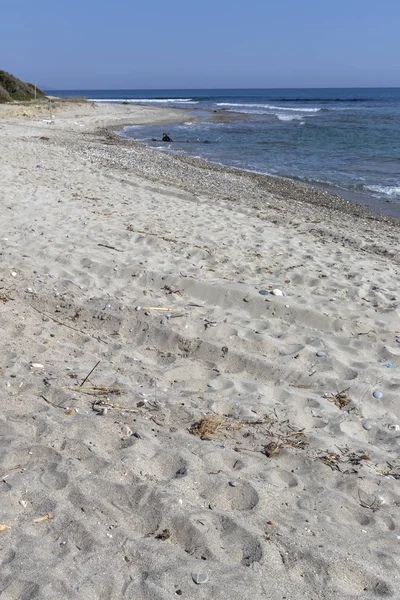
111,89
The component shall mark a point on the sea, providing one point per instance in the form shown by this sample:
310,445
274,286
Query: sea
344,140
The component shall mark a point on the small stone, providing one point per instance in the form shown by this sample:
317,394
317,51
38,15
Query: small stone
277,292
68,368
321,354
380,500
13,274
264,292
200,578
23,503
233,483
126,431
377,394
138,308
108,305
104,411
182,472
37,366
367,424
393,427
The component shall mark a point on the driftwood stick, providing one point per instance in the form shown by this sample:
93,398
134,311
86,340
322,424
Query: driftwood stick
52,403
98,339
90,372
110,247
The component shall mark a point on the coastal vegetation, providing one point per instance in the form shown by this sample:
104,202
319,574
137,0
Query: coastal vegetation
13,89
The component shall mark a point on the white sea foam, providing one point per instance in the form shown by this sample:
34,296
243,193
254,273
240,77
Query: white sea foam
271,107
387,190
145,100
290,117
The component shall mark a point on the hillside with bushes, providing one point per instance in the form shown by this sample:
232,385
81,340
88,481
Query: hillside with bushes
13,89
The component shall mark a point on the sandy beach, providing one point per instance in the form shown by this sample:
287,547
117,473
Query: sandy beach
238,436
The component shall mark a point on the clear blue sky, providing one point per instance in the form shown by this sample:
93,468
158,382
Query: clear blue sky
94,44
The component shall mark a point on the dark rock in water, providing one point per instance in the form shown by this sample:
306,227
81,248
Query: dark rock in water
165,137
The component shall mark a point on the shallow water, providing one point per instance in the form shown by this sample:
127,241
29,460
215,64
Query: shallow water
345,139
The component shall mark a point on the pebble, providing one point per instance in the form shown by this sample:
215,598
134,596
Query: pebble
367,424
13,273
398,339
377,394
68,368
126,431
277,292
380,500
264,292
138,308
393,427
108,306
200,578
233,483
23,503
37,366
321,354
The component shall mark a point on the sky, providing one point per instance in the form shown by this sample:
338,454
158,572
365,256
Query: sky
166,44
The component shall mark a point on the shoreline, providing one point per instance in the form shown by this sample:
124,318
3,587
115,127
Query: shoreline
200,375
311,193
379,205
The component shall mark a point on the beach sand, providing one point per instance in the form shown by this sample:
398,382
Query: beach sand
227,446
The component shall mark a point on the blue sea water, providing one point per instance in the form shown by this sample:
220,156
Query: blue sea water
346,140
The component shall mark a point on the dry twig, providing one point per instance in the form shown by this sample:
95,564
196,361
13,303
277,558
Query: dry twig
90,372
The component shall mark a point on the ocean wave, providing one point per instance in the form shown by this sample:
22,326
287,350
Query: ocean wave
270,107
387,190
145,100
319,99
